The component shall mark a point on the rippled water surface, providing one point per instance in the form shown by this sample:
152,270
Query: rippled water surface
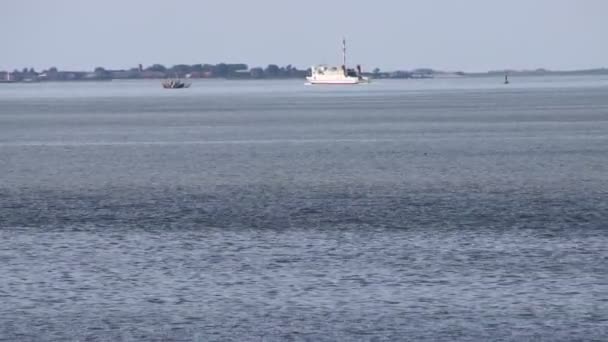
439,210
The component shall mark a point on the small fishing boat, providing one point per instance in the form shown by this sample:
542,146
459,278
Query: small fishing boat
175,84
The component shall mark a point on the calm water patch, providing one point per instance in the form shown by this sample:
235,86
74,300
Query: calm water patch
440,210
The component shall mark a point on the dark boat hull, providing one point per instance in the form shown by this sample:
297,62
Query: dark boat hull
175,84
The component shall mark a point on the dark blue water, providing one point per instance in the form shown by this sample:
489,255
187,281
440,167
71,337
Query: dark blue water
435,210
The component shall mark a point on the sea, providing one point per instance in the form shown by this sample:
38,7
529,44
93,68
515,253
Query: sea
402,210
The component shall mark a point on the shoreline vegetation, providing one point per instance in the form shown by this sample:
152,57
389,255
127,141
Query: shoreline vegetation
242,71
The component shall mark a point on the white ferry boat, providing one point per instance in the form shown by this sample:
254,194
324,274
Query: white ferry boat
323,74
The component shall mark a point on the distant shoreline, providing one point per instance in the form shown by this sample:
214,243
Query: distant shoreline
243,72
543,72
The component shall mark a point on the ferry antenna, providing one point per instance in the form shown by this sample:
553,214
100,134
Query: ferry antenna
344,52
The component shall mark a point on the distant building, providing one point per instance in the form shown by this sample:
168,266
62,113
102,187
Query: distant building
90,76
195,74
71,75
400,74
240,74
124,74
152,74
256,73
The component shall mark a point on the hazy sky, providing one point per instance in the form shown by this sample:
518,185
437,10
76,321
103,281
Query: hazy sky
468,35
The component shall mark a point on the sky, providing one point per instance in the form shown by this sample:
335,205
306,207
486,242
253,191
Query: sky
453,35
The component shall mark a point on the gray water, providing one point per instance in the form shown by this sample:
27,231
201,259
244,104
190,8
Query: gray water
429,210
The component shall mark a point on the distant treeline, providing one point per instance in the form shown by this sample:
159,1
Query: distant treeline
242,71
156,71
159,71
224,70
542,72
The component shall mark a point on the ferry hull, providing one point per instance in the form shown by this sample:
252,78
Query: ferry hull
349,81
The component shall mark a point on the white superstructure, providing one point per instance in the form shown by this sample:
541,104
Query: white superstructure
323,74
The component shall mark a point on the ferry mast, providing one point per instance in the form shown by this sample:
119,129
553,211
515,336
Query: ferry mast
344,52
